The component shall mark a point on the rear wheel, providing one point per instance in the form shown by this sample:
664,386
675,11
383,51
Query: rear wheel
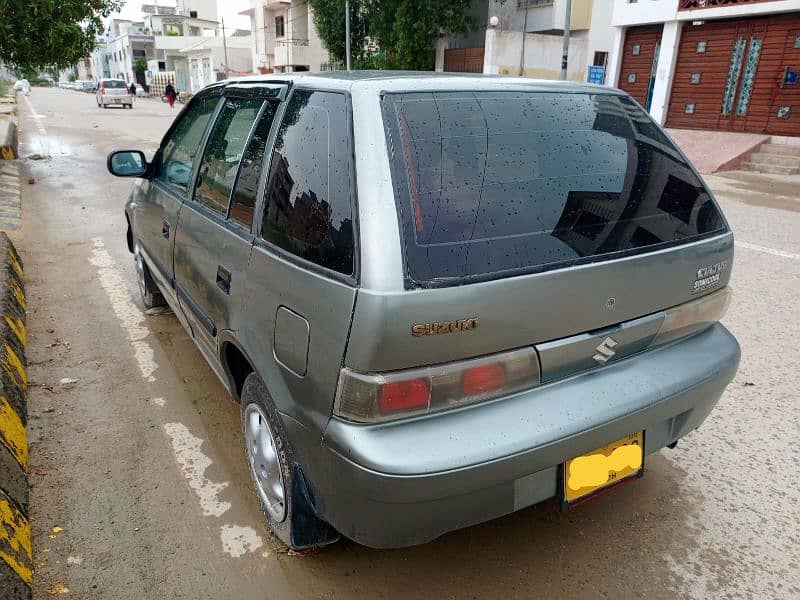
148,290
277,478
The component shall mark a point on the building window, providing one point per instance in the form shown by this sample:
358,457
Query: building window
527,3
695,78
701,47
600,59
631,77
797,42
689,109
279,27
783,112
636,50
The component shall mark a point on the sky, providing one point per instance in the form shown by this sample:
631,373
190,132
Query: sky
228,10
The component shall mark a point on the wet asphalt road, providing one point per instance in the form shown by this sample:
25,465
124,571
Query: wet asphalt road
140,461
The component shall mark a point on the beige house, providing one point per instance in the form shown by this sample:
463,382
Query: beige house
285,38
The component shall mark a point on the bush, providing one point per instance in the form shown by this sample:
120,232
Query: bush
4,86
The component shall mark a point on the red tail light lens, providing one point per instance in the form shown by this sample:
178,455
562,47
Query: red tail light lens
404,395
102,90
485,378
377,397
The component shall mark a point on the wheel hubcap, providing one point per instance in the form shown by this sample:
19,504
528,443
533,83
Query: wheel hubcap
140,273
264,463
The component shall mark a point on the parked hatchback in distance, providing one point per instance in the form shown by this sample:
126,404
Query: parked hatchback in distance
437,299
113,92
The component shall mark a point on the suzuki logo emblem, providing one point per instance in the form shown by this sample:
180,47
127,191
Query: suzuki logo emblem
605,351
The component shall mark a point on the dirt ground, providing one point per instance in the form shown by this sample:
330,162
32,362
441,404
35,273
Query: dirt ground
137,461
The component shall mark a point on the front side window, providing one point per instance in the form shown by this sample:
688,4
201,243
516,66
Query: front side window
178,152
308,209
224,151
490,184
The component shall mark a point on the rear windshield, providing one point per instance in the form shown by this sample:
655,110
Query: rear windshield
490,184
115,83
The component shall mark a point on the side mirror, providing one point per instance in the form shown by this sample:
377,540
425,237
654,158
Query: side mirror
127,163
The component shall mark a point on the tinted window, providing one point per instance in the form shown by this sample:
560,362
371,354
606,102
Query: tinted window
244,194
491,183
184,143
308,207
224,151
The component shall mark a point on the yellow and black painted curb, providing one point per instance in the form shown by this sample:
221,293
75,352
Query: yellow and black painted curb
16,563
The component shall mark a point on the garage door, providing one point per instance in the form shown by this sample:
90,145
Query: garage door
639,61
739,75
464,60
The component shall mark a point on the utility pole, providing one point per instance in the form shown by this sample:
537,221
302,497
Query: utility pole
524,35
347,32
565,51
225,47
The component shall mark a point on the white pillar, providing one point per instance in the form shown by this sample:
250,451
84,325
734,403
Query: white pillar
441,46
615,59
490,48
665,72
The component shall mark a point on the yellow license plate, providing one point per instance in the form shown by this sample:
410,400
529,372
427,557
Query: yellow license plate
604,467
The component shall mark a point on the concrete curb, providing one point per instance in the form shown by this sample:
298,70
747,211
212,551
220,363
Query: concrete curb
9,138
16,558
9,141
10,195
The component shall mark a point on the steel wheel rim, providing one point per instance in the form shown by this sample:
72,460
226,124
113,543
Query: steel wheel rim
140,274
265,466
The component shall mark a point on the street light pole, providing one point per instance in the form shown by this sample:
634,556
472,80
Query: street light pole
565,51
347,32
524,32
225,48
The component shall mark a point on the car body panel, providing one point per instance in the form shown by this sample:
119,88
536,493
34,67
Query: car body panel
408,481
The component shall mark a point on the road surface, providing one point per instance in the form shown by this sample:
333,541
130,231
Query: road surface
140,460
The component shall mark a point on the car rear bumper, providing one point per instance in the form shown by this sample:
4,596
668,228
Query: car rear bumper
406,483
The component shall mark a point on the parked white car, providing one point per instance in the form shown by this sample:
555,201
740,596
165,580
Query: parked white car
113,92
22,85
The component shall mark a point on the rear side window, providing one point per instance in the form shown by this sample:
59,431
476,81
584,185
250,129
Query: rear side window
490,184
244,194
183,144
308,209
224,151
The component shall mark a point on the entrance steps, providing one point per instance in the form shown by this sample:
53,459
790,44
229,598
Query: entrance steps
780,155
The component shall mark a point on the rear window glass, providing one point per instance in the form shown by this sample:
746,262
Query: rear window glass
490,184
115,83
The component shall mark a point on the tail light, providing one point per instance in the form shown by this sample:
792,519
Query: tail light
376,397
103,90
693,316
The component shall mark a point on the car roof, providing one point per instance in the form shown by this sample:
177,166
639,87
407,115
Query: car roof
422,81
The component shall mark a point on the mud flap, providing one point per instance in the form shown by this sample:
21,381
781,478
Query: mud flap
307,530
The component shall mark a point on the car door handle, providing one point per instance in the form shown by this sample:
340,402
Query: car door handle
165,227
224,279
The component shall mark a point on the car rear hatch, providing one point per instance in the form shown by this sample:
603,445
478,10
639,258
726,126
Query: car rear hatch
114,87
562,222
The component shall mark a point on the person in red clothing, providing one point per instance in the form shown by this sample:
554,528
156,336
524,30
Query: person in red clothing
169,92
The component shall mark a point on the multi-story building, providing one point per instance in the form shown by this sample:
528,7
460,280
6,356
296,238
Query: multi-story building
211,60
525,37
159,38
731,65
285,37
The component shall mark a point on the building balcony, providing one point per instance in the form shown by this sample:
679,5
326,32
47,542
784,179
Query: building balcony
292,52
699,4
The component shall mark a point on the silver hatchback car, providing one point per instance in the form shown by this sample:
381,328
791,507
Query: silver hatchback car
438,299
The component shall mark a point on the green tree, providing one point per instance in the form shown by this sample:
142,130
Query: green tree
140,65
404,31
41,33
330,23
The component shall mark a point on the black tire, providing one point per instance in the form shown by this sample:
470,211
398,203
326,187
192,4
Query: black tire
300,528
148,290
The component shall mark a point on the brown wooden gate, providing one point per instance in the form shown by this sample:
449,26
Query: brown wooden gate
464,60
639,61
739,75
